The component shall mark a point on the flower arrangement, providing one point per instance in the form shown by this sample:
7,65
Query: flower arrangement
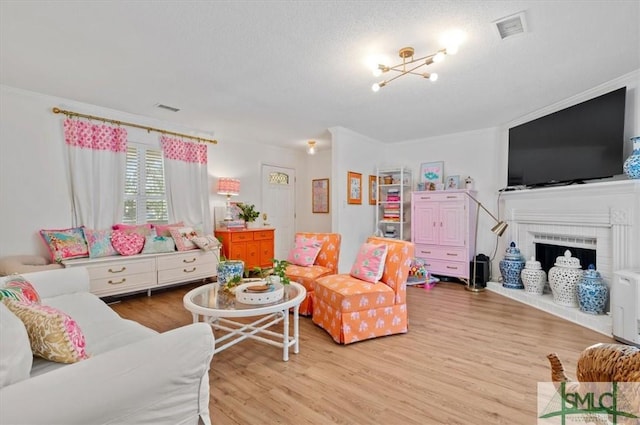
278,270
248,212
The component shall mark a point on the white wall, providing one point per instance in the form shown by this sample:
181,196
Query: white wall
34,192
352,152
471,153
316,166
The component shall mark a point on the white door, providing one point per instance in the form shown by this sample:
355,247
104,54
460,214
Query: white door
278,202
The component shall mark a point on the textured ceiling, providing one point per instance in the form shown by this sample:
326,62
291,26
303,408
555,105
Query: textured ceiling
283,72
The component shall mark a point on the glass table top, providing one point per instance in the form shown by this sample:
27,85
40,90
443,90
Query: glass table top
213,296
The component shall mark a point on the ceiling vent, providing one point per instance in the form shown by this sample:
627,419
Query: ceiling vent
168,108
511,25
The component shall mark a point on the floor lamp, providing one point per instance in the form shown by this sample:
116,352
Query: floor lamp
498,229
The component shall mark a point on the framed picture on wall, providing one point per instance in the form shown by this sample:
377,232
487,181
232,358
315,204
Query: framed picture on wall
320,195
432,172
373,190
354,188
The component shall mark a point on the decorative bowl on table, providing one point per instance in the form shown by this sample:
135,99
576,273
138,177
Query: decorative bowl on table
259,292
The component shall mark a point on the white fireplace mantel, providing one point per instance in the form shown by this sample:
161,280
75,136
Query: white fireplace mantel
604,216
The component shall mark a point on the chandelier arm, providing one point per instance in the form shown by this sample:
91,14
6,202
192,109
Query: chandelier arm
423,58
401,73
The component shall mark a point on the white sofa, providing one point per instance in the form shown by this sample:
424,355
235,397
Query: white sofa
134,374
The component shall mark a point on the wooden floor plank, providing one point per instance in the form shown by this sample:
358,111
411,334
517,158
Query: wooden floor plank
467,359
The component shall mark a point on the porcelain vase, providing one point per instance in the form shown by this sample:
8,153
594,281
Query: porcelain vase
511,267
563,279
229,269
631,166
533,277
592,292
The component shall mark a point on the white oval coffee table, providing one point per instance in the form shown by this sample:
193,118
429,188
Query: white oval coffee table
217,307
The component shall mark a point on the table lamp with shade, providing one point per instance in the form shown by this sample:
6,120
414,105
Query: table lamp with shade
498,229
230,187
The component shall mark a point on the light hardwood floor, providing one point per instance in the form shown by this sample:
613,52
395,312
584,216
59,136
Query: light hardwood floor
467,359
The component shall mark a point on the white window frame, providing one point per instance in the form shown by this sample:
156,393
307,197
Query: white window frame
141,196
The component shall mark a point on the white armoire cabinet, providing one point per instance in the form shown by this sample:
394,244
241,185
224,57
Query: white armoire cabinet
443,229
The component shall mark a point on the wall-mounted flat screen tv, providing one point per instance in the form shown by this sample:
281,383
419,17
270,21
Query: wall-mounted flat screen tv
582,142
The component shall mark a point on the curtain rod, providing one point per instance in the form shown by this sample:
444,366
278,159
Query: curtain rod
144,127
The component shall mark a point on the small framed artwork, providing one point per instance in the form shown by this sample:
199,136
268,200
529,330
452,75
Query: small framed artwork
431,172
452,182
320,195
373,190
354,188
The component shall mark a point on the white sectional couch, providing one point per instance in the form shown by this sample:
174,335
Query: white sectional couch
134,374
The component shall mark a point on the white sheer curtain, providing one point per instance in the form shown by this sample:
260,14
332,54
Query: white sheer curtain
97,158
187,182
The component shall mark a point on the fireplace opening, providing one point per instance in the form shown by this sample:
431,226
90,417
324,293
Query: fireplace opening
546,254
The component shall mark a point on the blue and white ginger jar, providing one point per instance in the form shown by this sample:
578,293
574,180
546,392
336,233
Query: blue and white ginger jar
229,269
592,292
511,268
631,166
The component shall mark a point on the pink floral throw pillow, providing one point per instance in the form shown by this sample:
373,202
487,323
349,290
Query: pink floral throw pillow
304,252
19,289
64,244
99,242
143,229
127,243
53,335
182,236
163,229
369,264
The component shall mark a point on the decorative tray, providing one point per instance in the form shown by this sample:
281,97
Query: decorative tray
258,292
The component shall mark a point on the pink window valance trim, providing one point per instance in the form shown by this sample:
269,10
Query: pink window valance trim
87,135
183,151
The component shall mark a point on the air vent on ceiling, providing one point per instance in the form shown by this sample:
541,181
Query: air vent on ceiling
168,108
511,25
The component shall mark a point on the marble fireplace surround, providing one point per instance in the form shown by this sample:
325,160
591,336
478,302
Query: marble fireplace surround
603,216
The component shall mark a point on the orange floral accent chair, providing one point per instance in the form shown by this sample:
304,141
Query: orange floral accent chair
352,310
326,263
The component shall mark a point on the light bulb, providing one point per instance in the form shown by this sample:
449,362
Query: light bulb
439,57
375,87
433,77
311,150
452,50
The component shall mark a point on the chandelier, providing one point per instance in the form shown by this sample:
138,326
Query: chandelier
311,149
410,65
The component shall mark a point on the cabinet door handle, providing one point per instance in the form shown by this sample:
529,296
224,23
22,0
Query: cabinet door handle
189,271
452,267
450,254
440,224
434,224
425,252
189,261
118,271
451,197
123,280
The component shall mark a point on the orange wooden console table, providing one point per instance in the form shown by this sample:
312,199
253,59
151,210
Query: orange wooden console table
253,246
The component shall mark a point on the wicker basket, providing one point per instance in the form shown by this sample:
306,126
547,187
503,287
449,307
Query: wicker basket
599,366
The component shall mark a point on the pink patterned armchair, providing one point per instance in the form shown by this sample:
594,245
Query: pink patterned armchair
352,310
326,263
